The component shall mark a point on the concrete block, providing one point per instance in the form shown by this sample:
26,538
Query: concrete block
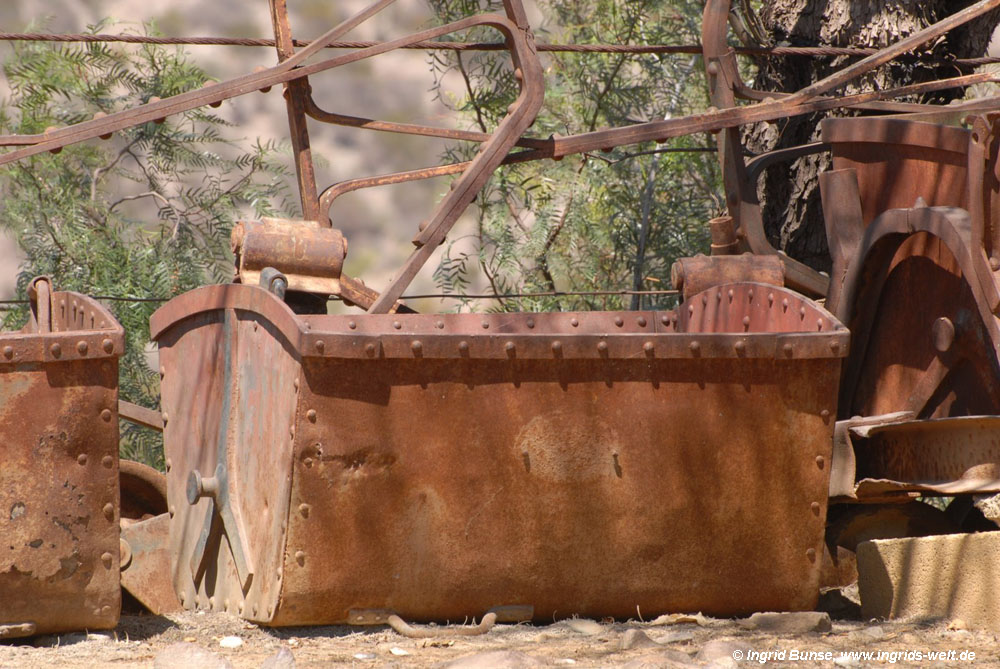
945,576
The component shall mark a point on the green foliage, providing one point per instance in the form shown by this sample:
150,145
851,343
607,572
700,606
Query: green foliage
147,214
604,221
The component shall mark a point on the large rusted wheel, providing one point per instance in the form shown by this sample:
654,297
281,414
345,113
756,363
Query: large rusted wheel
920,342
143,491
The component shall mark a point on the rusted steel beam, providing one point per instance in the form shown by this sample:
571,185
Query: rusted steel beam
520,115
140,415
296,92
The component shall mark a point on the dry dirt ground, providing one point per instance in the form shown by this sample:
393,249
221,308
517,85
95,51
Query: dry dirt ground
200,640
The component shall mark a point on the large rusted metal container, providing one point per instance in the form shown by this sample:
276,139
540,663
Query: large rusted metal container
324,468
59,561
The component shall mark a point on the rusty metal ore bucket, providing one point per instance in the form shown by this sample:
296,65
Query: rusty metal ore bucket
59,473
335,468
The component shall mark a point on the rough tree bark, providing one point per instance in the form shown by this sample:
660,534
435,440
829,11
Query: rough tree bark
790,194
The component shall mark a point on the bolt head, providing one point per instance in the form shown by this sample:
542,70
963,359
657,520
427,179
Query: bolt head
82,458
81,347
311,415
56,350
108,346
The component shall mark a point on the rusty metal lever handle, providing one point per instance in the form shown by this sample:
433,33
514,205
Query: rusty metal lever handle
407,630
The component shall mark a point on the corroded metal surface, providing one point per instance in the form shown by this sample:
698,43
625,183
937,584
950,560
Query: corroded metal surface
310,256
59,480
441,465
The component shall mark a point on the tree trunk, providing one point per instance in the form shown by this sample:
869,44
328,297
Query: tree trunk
789,193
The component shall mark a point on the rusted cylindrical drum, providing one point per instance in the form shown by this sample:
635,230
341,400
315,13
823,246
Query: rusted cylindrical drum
331,468
59,563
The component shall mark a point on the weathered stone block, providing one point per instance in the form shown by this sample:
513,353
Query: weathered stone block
946,576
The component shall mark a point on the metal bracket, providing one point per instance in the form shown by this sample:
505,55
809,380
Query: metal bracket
216,488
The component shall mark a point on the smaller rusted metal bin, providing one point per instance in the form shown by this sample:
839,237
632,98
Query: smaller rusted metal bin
331,468
59,561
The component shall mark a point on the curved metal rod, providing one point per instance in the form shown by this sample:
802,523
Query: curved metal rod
411,632
106,124
520,115
316,112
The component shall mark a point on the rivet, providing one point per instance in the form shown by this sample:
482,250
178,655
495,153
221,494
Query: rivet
295,384
172,511
530,323
746,322
619,321
602,346
704,299
211,602
995,263
463,347
165,416
320,346
82,458
170,464
750,295
695,347
770,299
741,347
825,414
691,309
304,510
835,346
511,348
649,348
641,322
255,609
787,348
811,554
815,506
300,557
81,347
574,322
308,462
239,608
556,346
108,346
106,560
718,296
730,294
518,74
486,325
439,325
107,461
665,319
311,415
802,312
106,415
109,511
820,461
397,325
105,610
291,431
370,349
183,599
416,347
8,352
352,325
784,304
56,350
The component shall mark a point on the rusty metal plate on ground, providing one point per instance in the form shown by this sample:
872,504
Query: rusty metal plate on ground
59,479
439,466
